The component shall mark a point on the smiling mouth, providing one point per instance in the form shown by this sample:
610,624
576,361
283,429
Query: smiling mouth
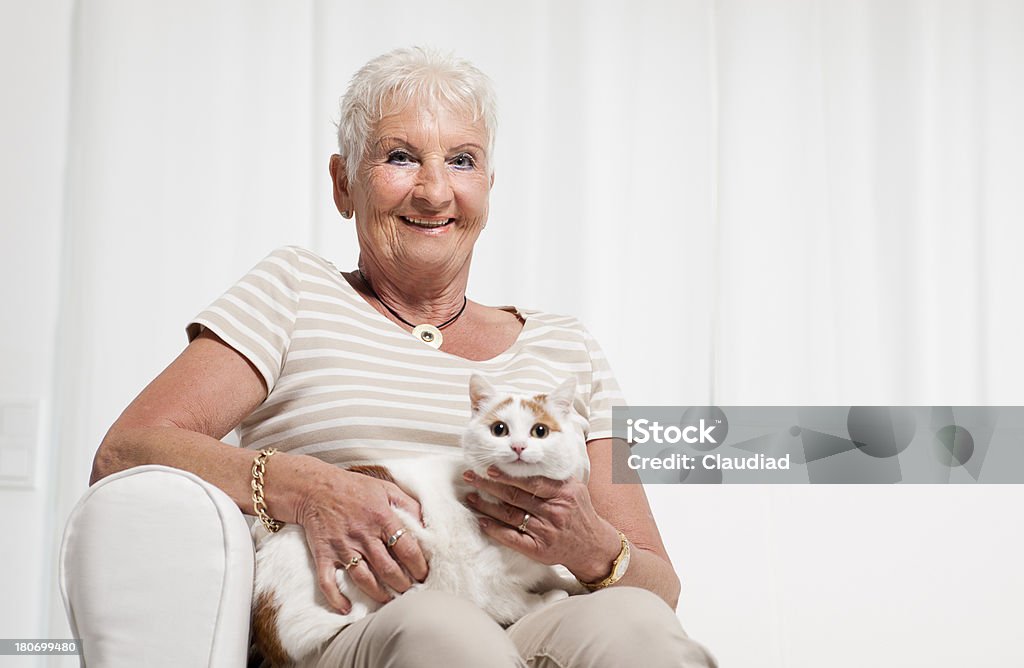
427,224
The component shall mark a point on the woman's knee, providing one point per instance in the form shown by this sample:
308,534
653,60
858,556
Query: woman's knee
644,629
630,611
430,628
614,627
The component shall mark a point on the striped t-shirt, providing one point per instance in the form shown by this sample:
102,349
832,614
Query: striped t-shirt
347,385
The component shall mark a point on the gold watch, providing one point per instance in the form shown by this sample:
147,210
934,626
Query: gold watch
619,567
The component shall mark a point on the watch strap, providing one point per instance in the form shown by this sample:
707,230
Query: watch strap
617,570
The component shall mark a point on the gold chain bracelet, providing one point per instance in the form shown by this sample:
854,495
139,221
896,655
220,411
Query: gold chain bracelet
259,504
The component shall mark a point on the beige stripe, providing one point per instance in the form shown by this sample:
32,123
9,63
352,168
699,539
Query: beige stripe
363,455
321,415
402,365
369,372
329,394
242,343
359,435
272,327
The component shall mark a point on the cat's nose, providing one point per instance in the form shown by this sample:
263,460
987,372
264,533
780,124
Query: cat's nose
518,447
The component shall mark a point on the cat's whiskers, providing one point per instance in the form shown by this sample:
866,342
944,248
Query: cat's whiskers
481,459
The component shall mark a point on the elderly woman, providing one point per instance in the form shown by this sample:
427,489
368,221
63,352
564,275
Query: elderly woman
334,368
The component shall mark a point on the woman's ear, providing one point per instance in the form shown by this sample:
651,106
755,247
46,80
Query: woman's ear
339,181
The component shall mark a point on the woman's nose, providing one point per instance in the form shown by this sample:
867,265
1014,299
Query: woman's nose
433,189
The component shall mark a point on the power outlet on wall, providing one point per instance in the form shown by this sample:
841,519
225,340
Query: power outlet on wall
19,438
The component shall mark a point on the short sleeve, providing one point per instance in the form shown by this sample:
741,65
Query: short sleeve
604,391
257,315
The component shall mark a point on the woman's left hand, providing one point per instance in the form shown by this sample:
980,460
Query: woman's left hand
563,527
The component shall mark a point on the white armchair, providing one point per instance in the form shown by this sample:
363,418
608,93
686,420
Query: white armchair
156,569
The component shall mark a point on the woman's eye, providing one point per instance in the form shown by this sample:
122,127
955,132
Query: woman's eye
399,157
463,161
499,428
539,430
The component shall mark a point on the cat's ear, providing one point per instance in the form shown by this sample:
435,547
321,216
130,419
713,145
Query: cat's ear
480,392
561,398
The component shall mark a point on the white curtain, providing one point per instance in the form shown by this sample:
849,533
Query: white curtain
748,202
868,213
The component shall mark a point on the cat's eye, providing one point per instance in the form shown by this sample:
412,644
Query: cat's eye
539,430
499,429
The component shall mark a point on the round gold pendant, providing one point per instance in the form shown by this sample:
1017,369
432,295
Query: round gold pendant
429,335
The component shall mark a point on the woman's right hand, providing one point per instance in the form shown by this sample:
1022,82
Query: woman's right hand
348,514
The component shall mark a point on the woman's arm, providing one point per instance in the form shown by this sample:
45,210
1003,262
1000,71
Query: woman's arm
177,421
626,508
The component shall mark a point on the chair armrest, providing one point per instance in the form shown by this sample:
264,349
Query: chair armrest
156,569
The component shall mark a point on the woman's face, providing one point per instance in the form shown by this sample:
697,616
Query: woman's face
420,197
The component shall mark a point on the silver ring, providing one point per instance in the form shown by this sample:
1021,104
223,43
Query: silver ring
354,561
522,525
393,538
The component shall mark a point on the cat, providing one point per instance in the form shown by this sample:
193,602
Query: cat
291,617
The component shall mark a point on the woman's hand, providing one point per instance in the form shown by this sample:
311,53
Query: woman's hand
348,515
563,527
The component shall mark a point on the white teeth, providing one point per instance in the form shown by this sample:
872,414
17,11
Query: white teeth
428,223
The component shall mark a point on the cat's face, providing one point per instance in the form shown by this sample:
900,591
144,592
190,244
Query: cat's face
523,435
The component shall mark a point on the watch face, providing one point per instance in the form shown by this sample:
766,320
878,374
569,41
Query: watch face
620,569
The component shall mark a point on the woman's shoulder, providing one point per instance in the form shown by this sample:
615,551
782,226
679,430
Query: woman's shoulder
566,329
553,320
302,257
534,316
305,265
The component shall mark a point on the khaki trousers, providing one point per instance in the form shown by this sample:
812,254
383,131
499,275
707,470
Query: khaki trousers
612,628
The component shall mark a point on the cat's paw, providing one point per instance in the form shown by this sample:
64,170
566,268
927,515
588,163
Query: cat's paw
342,580
362,605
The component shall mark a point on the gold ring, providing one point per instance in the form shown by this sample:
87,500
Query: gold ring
522,525
393,538
354,561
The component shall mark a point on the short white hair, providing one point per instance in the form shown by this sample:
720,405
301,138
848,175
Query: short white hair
407,76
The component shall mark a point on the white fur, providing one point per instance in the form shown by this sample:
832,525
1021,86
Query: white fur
463,560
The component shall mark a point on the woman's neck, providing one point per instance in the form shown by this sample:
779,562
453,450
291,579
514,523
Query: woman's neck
418,298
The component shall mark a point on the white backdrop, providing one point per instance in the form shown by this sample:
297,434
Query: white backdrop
794,202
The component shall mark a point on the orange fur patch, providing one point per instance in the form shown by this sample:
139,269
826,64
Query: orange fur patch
492,415
264,625
536,404
374,471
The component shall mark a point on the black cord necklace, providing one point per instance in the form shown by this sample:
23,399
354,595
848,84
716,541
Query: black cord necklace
428,334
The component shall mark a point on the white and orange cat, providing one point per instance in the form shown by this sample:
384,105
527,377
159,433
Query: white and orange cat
521,435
